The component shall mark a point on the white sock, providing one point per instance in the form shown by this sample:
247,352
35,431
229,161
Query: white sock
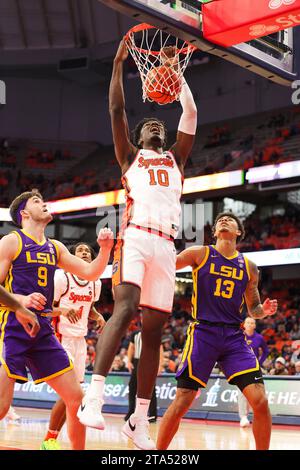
141,407
96,388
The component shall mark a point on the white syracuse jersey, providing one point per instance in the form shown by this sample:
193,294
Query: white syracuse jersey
72,292
153,185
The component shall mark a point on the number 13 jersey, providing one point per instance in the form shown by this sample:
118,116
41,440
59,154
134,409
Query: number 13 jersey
219,287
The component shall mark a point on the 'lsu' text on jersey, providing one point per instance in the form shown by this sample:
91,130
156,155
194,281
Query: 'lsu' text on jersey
219,287
33,269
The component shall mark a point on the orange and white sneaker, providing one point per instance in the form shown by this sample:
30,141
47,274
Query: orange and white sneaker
137,429
89,413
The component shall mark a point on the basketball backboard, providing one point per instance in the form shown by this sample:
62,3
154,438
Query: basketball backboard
271,56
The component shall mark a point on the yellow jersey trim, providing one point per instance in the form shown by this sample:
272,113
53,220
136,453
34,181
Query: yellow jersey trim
4,317
2,360
203,262
19,247
56,248
195,281
247,267
244,371
190,366
34,239
13,376
195,294
235,255
187,345
56,374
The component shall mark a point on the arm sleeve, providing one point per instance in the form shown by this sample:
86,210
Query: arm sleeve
188,120
60,284
265,351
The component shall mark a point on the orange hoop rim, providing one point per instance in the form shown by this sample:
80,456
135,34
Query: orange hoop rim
145,26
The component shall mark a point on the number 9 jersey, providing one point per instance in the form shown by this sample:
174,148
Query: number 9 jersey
33,268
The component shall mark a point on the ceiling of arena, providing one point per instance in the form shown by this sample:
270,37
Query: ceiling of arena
35,25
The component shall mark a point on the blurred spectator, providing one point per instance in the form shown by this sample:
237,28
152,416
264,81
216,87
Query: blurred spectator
118,365
297,368
279,367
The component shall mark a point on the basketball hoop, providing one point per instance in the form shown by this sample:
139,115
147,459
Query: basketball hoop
161,75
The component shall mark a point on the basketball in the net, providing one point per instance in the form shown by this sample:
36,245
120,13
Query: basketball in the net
162,84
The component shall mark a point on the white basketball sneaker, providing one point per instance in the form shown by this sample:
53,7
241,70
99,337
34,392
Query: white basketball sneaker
244,423
137,429
89,413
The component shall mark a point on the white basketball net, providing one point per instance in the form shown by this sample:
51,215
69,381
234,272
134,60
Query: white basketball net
145,46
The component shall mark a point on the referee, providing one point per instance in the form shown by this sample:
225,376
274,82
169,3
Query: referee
133,354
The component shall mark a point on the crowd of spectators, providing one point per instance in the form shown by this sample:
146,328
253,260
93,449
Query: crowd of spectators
247,153
275,232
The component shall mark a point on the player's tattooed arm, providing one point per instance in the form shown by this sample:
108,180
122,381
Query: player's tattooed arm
192,256
255,308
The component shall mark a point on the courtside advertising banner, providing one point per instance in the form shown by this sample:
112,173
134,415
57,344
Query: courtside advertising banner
283,395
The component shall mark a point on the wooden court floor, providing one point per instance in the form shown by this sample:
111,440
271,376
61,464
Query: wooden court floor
193,434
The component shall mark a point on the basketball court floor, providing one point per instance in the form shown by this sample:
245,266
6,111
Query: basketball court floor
193,434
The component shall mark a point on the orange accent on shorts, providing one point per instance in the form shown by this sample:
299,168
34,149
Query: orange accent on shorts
54,323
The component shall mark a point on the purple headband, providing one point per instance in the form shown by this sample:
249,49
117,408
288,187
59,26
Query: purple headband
18,213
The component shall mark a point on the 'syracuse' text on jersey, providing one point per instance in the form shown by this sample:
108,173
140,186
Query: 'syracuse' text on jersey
153,185
219,287
72,292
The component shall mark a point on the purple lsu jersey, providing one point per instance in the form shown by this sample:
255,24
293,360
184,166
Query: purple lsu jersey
259,346
32,270
219,287
215,334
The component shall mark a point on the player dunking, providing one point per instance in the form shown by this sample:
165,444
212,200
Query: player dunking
144,259
74,300
222,278
28,261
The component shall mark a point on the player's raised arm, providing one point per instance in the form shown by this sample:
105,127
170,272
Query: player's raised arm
192,256
89,271
123,147
188,121
255,308
187,125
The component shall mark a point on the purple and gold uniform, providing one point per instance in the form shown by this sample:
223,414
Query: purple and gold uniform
32,270
259,346
215,334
